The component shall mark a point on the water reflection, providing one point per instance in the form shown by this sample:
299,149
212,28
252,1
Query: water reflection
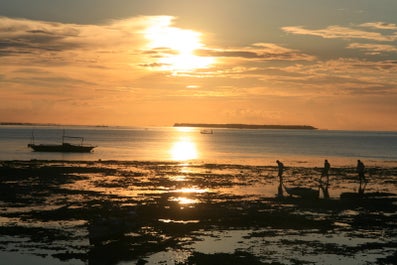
186,194
192,190
184,200
184,129
178,178
184,149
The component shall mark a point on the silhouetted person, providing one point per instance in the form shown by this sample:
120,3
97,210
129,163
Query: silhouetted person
325,174
361,176
326,168
280,176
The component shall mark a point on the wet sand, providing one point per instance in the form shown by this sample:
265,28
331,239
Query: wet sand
115,212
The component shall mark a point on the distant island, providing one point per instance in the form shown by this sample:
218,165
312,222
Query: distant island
47,124
246,126
28,124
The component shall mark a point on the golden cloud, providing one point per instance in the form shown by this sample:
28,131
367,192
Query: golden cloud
339,32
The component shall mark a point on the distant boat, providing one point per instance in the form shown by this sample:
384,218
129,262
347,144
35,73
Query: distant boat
207,131
63,147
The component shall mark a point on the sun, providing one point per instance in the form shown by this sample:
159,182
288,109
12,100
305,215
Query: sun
175,47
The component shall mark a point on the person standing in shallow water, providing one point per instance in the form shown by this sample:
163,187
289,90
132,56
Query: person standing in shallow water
280,176
327,166
325,174
361,176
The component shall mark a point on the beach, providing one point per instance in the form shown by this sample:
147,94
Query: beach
151,212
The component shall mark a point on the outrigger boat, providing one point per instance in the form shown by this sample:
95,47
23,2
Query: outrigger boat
304,192
64,147
206,131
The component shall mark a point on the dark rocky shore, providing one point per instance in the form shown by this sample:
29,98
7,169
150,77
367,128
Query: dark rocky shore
106,212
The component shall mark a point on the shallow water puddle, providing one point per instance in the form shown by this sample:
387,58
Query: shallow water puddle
285,247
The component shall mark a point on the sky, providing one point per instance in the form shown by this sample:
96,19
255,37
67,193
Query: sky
329,64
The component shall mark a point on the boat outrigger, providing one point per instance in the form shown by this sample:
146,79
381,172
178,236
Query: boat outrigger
64,147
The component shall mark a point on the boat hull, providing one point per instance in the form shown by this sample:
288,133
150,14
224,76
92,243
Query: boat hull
303,192
62,148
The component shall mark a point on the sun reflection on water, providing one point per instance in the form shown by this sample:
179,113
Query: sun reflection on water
178,178
184,200
184,149
192,190
184,129
187,195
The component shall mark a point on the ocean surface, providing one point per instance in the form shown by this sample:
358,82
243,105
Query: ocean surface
236,146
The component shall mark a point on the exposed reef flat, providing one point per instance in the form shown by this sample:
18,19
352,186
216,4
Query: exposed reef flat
245,126
113,212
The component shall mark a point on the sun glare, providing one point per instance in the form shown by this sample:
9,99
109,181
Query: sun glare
184,149
177,47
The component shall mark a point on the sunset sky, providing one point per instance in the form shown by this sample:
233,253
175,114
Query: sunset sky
329,64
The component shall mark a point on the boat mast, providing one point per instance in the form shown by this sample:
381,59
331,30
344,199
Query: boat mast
32,137
63,136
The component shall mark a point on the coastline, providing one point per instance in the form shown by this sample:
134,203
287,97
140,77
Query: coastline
266,161
246,126
50,209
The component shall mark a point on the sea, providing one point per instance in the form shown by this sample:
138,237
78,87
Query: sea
188,144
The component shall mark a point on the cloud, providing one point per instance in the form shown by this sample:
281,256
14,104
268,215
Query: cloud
373,49
23,36
259,51
28,36
380,25
339,32
343,77
47,65
60,68
92,55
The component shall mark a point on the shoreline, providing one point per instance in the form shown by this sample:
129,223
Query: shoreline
304,162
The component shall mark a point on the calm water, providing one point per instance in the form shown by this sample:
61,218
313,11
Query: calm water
261,147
